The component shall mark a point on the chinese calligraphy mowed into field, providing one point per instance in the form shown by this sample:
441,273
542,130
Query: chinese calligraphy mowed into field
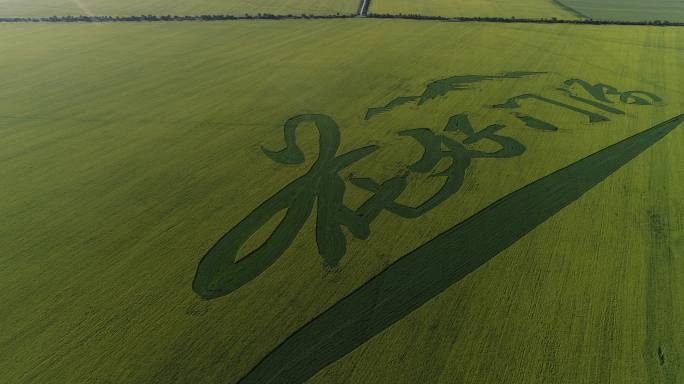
434,266
219,273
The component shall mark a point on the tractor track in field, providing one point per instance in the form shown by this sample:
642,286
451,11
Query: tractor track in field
83,7
363,7
571,10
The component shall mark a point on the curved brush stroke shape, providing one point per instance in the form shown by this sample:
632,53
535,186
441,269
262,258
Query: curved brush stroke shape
535,123
401,100
218,274
441,87
427,271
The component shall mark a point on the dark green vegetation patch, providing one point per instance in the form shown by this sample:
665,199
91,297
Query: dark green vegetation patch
433,267
220,273
442,87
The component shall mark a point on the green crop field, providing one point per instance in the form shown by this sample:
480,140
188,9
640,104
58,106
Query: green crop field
43,8
630,10
475,8
408,201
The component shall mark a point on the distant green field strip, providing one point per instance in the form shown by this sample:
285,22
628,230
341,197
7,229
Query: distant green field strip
433,267
476,8
38,8
628,10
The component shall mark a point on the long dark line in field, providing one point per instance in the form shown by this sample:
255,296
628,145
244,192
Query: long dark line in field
266,16
571,10
427,271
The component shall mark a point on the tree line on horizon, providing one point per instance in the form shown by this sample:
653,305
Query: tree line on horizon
269,16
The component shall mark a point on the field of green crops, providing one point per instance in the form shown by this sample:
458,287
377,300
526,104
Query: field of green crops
474,8
128,150
619,10
44,8
630,10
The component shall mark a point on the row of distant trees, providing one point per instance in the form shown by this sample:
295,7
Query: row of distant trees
151,18
268,16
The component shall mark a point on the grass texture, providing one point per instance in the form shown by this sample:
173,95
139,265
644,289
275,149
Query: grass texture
475,8
43,8
629,10
128,151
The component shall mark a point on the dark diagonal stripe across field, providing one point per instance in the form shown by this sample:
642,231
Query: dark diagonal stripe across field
433,267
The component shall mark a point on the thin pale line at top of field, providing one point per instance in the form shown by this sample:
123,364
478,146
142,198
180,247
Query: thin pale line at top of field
141,121
83,7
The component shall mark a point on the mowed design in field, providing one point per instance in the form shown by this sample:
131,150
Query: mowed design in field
122,170
45,8
475,8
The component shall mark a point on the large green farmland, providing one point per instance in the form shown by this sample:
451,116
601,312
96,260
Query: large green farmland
128,151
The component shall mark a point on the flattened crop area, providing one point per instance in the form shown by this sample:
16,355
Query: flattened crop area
501,205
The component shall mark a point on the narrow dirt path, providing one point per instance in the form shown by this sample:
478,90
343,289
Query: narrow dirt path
363,7
83,8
